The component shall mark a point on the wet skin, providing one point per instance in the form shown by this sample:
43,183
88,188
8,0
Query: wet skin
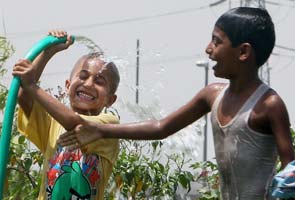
89,87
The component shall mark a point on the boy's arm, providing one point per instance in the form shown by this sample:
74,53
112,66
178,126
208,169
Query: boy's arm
29,73
65,116
24,99
147,130
280,125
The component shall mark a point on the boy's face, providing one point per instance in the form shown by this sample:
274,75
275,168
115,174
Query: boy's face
220,50
89,87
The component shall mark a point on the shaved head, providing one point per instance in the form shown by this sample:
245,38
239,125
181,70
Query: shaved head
110,67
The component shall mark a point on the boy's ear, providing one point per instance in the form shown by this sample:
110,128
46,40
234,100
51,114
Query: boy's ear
112,99
67,84
245,51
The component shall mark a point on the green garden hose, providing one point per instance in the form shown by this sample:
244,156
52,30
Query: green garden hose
11,103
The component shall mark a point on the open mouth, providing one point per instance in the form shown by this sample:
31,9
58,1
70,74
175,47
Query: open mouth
85,96
213,63
214,66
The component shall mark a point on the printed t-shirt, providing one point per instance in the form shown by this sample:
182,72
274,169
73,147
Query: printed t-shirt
70,174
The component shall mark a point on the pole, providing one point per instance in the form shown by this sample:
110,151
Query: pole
206,117
268,75
137,71
205,65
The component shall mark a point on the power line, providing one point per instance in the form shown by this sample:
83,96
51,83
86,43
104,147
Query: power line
285,48
282,55
121,21
276,3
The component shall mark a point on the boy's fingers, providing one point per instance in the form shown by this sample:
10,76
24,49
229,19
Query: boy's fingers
22,62
74,147
57,33
65,143
66,135
70,40
18,69
67,138
71,145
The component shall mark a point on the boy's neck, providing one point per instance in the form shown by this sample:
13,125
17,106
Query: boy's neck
242,85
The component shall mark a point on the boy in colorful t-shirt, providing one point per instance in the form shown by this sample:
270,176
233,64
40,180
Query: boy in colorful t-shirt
91,87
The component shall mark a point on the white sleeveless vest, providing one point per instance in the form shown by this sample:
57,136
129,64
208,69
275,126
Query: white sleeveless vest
246,158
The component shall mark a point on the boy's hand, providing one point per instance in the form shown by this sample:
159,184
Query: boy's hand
61,46
80,136
24,69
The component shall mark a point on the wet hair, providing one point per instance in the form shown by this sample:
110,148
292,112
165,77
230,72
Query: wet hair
115,76
112,68
249,25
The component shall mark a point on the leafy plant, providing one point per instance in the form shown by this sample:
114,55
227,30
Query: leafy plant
3,91
23,170
6,50
209,177
142,175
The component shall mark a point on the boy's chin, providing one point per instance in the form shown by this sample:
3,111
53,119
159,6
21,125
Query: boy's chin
216,74
220,76
85,111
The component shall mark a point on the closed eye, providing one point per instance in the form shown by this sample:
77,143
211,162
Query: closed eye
84,74
100,80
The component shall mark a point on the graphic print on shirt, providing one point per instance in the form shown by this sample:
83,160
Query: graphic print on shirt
72,175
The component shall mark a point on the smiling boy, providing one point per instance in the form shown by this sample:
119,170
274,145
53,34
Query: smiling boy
91,87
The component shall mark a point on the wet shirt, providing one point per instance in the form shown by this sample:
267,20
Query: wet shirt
246,158
70,174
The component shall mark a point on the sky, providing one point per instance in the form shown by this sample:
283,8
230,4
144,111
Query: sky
172,35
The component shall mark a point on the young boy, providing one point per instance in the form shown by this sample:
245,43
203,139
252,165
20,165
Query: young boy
91,87
250,121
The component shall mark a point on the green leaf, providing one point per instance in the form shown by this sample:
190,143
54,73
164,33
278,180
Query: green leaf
28,163
21,139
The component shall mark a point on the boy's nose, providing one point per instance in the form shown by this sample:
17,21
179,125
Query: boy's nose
89,81
208,49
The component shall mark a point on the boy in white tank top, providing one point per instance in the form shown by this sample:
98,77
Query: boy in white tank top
250,121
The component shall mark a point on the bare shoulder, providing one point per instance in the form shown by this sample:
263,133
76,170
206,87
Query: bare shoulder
217,87
212,91
274,103
273,99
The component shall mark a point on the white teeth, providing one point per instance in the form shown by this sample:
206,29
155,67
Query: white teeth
85,96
